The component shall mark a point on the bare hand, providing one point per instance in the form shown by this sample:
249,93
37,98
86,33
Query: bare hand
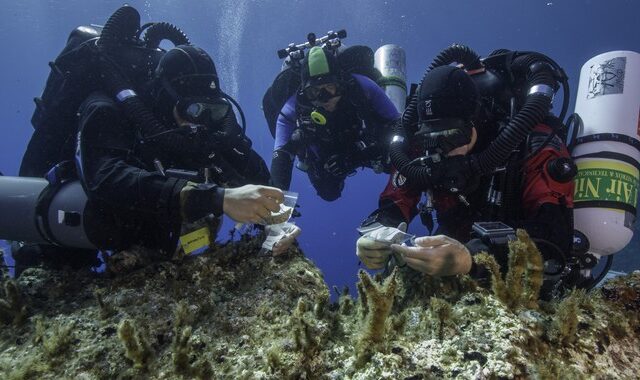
283,244
373,254
251,203
437,256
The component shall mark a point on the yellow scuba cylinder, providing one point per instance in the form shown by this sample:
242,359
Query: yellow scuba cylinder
607,150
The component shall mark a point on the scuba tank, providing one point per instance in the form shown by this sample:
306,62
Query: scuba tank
390,60
49,211
607,151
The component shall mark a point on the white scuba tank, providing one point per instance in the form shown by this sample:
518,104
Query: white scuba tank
391,61
607,150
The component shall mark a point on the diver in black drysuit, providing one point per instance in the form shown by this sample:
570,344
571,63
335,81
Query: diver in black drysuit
132,200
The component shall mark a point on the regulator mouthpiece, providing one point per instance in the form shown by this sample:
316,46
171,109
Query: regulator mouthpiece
318,118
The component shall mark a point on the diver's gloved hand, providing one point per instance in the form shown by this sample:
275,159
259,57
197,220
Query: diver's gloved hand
339,165
375,254
252,203
456,174
436,256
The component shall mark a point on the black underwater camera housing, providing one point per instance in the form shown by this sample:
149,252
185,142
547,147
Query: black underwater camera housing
331,40
493,233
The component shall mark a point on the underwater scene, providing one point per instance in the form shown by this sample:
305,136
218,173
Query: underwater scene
260,189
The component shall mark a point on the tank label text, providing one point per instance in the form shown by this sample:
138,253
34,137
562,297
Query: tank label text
606,181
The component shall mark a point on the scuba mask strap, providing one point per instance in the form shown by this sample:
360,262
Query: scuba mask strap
224,95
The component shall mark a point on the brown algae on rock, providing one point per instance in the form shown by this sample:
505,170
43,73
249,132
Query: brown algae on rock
234,314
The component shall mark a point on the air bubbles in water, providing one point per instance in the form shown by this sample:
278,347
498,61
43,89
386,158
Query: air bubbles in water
230,32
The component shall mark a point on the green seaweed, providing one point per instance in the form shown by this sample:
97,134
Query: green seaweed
59,341
106,309
377,301
565,320
234,314
136,345
441,311
183,351
521,286
13,309
345,302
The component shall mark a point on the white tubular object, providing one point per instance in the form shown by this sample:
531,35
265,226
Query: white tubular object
391,61
607,151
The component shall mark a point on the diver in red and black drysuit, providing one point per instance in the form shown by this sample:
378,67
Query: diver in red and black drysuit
528,187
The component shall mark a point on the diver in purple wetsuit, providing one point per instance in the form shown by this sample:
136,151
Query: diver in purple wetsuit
335,124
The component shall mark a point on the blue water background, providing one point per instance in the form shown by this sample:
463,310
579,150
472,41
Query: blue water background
242,36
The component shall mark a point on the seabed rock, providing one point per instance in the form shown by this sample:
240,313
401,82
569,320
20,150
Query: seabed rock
234,314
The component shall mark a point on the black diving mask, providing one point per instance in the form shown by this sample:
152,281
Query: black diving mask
444,135
203,111
321,94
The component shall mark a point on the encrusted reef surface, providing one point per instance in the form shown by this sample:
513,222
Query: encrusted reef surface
234,314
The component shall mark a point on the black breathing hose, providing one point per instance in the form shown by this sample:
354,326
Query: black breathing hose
121,27
242,117
574,126
164,31
140,115
536,107
532,113
457,53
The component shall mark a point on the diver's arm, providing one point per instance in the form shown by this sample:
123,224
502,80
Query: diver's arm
281,169
396,205
381,119
283,152
379,101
